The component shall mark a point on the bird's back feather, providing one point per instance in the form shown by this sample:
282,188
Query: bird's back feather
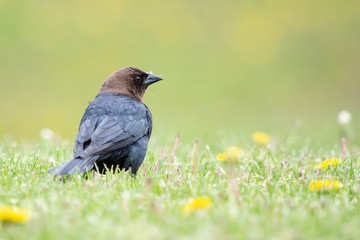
112,122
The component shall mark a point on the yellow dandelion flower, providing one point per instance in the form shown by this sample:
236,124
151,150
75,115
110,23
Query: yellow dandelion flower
196,204
11,214
328,163
221,157
318,185
231,154
261,138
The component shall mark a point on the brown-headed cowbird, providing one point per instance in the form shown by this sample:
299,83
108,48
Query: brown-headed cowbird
116,127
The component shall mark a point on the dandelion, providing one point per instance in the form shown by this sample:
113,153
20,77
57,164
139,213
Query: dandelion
231,154
196,204
317,185
344,117
328,163
15,215
261,138
221,157
346,131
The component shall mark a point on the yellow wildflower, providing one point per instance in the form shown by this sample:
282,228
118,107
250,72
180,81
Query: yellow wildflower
196,204
328,163
317,185
221,157
11,214
231,154
261,138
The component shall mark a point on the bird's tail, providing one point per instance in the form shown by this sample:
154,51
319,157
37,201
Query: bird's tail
74,165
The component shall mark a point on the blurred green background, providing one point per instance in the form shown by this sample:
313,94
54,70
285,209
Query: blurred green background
228,66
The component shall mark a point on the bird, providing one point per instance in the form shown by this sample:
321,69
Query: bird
116,127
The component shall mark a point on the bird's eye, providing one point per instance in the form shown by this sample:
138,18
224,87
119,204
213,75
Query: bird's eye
138,79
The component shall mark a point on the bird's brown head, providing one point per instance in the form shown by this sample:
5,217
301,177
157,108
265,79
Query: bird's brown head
129,81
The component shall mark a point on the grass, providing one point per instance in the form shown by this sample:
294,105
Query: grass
263,195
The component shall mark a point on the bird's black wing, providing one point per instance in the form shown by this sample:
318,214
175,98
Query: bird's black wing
119,126
111,122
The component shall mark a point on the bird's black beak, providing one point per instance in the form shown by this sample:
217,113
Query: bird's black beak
151,79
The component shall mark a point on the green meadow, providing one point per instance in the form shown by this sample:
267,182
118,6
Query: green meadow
266,192
230,69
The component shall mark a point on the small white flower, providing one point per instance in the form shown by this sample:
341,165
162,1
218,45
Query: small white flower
344,117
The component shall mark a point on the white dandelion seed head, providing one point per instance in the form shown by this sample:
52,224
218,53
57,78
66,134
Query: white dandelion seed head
344,117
